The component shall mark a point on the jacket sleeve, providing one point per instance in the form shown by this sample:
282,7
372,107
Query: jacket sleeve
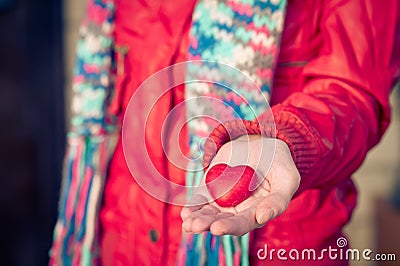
343,108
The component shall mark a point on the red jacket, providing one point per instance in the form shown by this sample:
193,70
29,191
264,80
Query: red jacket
337,65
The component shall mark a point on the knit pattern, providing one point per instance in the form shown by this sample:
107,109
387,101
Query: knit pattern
234,46
93,75
90,144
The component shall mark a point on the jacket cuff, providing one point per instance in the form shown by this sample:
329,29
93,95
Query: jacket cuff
281,122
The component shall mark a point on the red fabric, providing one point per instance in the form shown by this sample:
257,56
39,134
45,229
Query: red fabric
337,65
156,37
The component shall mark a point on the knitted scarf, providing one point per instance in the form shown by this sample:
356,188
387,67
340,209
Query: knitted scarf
243,34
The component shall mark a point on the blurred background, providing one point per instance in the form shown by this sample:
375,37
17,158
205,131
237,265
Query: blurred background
37,41
32,134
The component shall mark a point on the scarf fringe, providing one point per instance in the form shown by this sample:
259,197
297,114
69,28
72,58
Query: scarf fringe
75,239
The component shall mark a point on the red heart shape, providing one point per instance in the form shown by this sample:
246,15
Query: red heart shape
226,188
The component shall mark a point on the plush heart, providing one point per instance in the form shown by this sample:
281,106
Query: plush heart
230,185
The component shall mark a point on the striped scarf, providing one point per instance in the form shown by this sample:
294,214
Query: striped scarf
243,34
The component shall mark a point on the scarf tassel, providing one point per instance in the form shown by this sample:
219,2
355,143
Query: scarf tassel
85,168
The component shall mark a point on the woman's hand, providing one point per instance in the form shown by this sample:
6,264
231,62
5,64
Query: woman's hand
279,180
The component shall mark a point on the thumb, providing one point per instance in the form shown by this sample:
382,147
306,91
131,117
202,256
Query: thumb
271,207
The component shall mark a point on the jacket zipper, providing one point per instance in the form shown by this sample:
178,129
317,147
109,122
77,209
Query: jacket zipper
122,51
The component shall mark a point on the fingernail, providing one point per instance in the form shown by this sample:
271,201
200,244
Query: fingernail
185,213
186,225
263,216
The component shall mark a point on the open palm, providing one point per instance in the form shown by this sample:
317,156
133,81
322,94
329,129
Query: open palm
279,180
